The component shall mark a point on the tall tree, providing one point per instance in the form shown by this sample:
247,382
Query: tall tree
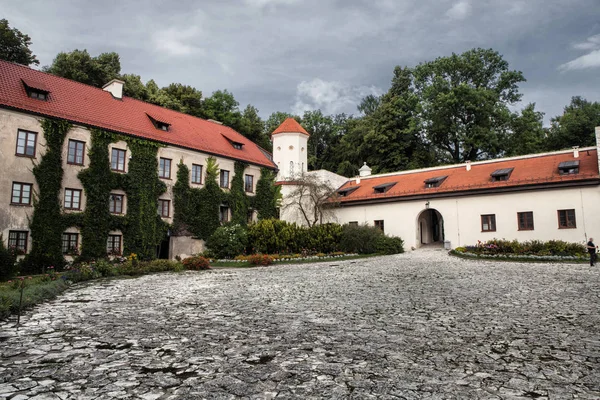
134,87
252,126
14,45
388,139
464,101
80,66
223,107
576,126
527,133
188,97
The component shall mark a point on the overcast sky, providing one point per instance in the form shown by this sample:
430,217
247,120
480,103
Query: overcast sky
295,55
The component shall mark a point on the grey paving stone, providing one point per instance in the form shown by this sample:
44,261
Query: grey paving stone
413,326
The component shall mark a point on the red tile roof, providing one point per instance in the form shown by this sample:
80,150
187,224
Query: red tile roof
529,171
290,125
90,106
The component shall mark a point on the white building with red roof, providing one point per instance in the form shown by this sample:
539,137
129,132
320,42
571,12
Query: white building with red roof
540,196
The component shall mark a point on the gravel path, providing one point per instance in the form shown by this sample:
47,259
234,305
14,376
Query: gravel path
413,326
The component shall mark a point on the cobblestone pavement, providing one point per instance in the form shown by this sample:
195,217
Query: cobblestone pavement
412,326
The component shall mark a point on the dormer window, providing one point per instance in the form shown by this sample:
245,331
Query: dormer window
383,188
346,191
568,167
233,141
36,90
434,182
501,174
159,123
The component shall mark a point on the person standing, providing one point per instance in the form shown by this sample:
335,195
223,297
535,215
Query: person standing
591,247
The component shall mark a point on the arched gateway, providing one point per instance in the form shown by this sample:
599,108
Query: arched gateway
430,227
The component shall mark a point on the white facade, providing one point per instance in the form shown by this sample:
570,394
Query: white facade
290,151
459,218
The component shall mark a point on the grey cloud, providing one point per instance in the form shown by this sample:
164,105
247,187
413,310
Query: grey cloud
273,53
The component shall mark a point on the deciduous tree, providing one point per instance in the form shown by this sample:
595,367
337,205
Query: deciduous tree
14,45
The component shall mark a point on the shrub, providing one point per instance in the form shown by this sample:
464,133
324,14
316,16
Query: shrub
325,238
228,241
361,239
8,259
260,259
389,245
196,263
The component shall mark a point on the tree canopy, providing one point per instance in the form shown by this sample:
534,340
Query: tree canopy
14,45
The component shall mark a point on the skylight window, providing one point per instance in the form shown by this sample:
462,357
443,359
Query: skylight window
383,188
501,174
346,191
36,90
434,182
233,141
159,124
568,167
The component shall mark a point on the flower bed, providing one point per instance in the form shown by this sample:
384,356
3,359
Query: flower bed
534,250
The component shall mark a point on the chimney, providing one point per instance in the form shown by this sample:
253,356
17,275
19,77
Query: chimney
115,87
364,170
468,165
576,151
358,180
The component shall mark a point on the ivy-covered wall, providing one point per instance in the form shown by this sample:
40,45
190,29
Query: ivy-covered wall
47,224
196,211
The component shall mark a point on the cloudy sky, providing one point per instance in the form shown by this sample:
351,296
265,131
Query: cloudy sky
296,55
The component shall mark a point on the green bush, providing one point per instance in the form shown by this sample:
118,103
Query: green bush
270,236
8,259
389,245
228,241
325,238
361,239
196,263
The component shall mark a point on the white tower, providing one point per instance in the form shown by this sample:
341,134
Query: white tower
290,149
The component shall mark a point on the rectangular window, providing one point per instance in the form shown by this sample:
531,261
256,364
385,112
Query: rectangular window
223,214
250,216
18,241
75,152
525,220
380,225
70,243
488,223
26,143
353,223
21,194
164,168
224,179
113,245
115,204
117,160
566,219
197,174
163,207
249,183
72,199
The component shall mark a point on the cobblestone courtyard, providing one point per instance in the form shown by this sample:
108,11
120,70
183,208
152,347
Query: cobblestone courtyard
412,326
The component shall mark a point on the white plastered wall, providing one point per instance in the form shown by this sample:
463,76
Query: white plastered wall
290,148
462,215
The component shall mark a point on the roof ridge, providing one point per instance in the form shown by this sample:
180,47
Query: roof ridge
482,162
104,91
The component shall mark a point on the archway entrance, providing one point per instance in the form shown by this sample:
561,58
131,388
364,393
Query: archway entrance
430,227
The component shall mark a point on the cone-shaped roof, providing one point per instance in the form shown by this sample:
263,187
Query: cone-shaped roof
290,125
